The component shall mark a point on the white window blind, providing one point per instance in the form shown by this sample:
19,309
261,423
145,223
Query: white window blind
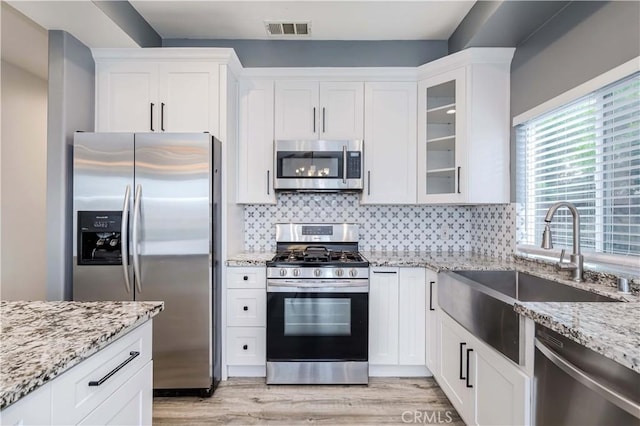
588,153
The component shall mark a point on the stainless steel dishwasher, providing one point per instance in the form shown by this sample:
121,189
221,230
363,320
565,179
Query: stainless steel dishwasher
574,385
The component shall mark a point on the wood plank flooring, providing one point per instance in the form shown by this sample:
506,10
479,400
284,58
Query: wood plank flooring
249,401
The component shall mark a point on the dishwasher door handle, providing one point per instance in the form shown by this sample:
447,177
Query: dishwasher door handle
583,378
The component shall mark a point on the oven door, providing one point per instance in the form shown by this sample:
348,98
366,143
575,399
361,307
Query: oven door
317,321
318,165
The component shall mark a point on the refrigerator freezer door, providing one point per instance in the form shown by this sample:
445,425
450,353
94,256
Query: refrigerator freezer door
102,170
173,242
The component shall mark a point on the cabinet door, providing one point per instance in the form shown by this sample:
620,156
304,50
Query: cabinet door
33,409
255,145
246,308
126,97
501,389
383,316
390,143
442,123
411,316
432,322
341,110
454,343
131,404
189,97
297,110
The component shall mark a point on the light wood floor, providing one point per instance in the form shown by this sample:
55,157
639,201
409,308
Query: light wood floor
249,401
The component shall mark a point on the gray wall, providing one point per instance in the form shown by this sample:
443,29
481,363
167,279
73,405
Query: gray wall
583,41
296,53
70,108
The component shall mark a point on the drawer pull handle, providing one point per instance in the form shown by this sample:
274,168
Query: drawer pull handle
469,385
245,308
132,354
462,345
245,347
246,278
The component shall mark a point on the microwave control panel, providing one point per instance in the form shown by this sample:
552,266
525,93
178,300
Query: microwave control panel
354,164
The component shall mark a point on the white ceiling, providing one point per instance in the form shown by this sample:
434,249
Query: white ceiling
330,20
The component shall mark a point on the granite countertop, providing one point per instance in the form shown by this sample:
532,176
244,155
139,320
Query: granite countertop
608,328
41,340
250,258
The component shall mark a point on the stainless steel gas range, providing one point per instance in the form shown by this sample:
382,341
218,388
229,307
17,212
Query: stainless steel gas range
317,306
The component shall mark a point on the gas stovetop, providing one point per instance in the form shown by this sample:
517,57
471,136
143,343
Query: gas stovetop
316,256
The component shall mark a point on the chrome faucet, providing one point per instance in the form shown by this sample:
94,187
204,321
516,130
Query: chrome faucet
576,259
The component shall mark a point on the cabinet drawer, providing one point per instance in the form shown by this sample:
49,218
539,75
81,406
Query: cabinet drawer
246,345
131,404
246,308
247,278
71,396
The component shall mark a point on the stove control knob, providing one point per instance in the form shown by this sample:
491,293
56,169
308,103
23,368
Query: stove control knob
317,272
296,272
353,272
283,272
339,272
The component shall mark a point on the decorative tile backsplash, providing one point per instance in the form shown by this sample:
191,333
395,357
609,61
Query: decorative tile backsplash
389,228
493,230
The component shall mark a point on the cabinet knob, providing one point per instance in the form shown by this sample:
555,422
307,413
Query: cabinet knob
245,308
246,278
245,347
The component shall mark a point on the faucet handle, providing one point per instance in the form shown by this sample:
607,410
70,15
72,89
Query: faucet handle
561,256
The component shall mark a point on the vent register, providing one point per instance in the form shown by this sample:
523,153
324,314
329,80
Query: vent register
287,29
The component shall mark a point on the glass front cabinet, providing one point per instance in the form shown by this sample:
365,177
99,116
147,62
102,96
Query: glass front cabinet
441,113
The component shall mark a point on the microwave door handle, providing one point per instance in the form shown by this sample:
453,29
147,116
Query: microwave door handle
344,165
124,238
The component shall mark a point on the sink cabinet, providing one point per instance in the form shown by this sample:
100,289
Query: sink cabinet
485,387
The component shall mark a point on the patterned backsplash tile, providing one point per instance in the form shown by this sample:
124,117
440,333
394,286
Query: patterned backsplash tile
389,228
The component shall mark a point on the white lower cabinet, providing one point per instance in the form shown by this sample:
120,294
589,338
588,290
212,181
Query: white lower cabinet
484,387
246,332
397,321
121,395
431,323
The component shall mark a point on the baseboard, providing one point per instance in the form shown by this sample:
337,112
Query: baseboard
246,371
399,371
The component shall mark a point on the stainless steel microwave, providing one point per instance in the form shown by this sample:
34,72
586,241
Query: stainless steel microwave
318,165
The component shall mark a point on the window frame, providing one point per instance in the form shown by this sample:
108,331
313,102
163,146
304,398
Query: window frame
596,260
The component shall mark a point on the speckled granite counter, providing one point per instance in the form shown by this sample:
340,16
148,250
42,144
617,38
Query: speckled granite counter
250,258
610,329
437,261
41,340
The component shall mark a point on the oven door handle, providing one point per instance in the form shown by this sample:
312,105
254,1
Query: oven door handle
328,286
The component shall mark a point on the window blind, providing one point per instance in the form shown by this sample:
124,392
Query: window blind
588,153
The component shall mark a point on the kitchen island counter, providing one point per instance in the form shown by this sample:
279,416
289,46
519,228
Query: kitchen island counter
41,340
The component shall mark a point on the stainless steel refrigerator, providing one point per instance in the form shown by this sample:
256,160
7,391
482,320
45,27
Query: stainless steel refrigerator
146,212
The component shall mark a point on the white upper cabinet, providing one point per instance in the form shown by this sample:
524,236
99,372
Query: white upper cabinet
255,143
390,143
341,110
127,97
188,97
463,128
160,90
318,110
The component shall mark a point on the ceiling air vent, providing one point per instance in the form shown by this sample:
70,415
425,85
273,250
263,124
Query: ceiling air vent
282,29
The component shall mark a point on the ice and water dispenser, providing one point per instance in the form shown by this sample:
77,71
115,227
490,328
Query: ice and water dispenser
99,240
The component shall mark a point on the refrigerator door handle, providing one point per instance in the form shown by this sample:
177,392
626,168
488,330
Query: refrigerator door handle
136,254
124,238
